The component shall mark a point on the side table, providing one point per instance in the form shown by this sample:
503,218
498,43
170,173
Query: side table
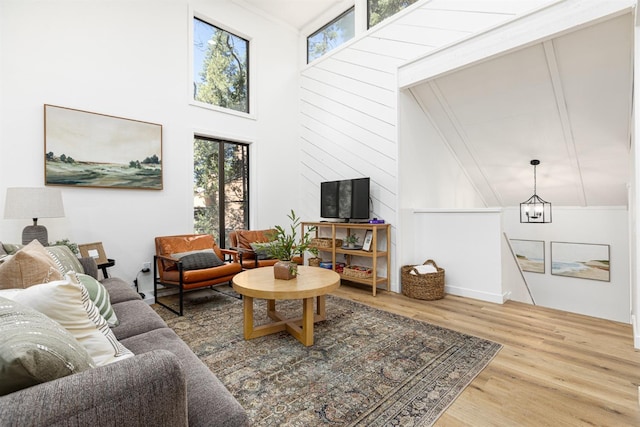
110,263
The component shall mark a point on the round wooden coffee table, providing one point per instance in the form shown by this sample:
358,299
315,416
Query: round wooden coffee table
311,282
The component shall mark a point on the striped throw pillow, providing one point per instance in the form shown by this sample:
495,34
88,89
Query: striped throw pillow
100,297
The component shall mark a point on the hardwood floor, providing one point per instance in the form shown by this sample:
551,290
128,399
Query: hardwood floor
555,368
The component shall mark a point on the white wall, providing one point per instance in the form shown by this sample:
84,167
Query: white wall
131,59
430,175
466,243
606,226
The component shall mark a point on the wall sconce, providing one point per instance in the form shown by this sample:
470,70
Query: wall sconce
33,202
535,210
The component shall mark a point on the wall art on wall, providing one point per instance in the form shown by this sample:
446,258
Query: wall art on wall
581,260
87,149
530,254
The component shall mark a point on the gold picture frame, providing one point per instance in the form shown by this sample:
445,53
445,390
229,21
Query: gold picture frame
95,251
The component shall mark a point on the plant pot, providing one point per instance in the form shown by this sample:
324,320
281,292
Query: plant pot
285,270
315,262
351,245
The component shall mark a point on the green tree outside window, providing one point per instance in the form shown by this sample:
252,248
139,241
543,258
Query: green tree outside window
379,10
220,66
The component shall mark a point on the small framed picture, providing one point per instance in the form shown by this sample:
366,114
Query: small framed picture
95,251
366,243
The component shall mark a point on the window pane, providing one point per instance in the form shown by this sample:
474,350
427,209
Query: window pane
205,187
220,165
331,35
236,187
220,67
379,10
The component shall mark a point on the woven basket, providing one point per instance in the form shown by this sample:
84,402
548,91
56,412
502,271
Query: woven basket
324,242
356,271
429,286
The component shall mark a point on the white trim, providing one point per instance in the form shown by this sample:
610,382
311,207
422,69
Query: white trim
479,295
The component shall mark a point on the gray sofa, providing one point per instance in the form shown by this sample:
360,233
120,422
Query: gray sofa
165,384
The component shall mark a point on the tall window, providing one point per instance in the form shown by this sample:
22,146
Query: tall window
220,67
331,35
220,187
379,10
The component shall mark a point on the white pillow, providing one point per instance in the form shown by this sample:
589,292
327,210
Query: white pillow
68,303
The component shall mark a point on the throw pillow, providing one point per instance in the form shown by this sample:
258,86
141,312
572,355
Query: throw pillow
35,349
200,260
29,266
68,303
12,248
100,297
262,250
64,259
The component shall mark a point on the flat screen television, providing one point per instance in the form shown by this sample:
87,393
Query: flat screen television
346,199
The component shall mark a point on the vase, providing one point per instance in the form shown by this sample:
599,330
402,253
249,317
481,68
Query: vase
285,270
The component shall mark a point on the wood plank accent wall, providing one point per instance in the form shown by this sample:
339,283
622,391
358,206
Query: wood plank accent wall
348,99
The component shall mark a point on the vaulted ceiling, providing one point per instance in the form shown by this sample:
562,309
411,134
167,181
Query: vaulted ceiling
566,101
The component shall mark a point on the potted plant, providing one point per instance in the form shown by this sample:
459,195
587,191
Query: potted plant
66,242
352,240
285,244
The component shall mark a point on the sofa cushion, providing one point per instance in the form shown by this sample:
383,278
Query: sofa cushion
68,303
119,290
100,297
136,317
64,259
208,398
29,266
35,349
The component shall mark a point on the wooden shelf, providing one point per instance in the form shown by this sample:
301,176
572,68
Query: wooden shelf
381,236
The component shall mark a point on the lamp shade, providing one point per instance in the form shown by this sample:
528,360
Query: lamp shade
33,202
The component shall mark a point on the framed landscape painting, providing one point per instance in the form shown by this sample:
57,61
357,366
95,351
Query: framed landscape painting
530,254
87,149
581,260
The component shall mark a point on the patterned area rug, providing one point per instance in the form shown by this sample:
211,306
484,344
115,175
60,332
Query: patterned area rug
367,367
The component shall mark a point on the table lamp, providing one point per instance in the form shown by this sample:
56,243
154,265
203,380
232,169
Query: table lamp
33,202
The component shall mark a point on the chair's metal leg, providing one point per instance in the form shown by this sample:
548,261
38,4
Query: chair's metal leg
181,289
155,279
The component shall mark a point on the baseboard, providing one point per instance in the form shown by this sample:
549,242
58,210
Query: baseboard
636,332
471,293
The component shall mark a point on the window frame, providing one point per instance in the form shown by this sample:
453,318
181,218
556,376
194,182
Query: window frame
328,24
221,141
251,114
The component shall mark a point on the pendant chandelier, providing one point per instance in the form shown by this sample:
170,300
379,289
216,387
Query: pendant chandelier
535,210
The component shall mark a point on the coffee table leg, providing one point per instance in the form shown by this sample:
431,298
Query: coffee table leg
321,309
271,310
248,317
307,321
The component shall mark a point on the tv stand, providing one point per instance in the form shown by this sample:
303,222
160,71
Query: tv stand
380,248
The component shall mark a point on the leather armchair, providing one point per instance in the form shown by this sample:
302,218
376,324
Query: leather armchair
241,241
171,269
